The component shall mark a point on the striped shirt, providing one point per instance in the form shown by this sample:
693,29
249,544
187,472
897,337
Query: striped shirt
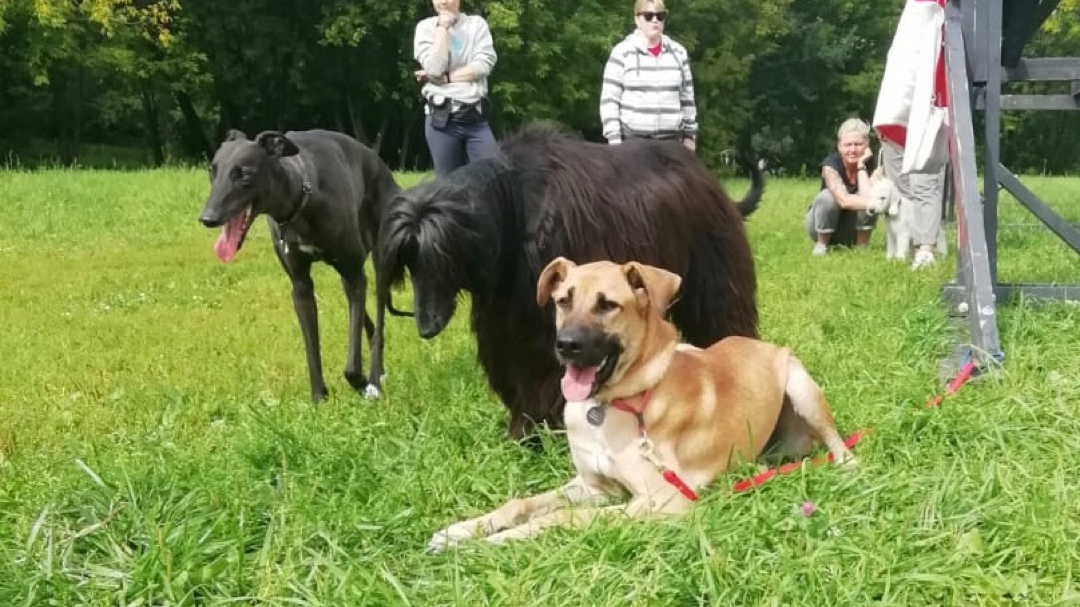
647,96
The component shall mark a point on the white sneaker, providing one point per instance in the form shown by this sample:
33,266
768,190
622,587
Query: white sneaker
820,249
922,259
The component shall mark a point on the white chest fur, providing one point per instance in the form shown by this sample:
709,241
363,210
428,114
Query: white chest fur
609,456
602,452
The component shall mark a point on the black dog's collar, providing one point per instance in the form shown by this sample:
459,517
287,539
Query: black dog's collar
305,194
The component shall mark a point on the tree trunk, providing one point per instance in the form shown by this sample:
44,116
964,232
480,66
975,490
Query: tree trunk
354,119
229,116
406,139
58,83
194,139
382,131
76,111
153,130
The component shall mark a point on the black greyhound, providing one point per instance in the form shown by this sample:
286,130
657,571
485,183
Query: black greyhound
324,194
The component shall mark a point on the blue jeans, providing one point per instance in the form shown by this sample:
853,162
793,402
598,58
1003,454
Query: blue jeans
459,143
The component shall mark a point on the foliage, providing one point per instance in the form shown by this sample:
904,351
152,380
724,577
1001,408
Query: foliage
169,77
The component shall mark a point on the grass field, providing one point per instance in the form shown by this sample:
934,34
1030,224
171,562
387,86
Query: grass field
157,446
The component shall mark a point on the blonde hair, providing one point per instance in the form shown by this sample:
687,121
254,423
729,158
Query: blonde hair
639,6
853,125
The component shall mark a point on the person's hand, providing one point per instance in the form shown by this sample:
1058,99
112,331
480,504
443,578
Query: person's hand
420,75
446,19
690,144
866,156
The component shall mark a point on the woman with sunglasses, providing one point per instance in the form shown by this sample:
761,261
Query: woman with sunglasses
456,54
648,91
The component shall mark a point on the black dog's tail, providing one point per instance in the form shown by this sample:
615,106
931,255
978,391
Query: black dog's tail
750,202
369,326
394,311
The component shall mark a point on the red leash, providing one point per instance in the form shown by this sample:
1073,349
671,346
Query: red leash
966,372
957,382
761,479
646,446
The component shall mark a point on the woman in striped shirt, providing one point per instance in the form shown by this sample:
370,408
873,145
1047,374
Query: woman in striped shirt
648,90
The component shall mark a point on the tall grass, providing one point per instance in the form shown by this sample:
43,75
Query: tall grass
157,445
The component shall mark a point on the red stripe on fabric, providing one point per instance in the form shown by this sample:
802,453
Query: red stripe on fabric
893,132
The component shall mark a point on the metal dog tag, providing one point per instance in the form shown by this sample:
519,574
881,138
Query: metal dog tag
595,415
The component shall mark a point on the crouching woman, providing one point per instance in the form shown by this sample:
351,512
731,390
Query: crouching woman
839,214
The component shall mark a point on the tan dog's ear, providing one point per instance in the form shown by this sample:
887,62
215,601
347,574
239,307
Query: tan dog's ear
652,286
551,278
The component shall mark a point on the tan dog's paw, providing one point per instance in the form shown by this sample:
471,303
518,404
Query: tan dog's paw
453,535
848,461
513,533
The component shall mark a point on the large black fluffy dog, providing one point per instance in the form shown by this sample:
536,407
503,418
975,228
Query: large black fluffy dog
324,194
489,228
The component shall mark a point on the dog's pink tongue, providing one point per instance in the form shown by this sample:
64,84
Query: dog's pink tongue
577,383
228,242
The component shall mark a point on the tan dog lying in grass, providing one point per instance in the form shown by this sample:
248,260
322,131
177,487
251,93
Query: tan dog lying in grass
648,416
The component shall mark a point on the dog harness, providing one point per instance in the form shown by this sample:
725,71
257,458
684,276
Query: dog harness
648,449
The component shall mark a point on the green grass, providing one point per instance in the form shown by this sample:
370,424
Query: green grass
157,446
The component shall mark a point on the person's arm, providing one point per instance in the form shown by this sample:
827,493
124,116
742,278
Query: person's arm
483,59
689,107
835,184
611,91
431,45
860,200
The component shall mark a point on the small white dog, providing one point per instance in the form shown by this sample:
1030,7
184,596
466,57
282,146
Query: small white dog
899,215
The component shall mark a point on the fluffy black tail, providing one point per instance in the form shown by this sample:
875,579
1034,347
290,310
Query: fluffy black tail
750,202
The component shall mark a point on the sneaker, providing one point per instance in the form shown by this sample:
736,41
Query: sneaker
820,249
922,259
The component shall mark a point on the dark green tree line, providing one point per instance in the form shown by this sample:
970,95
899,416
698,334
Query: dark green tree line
164,79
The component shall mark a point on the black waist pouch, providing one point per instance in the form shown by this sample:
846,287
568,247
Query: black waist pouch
440,114
468,114
473,113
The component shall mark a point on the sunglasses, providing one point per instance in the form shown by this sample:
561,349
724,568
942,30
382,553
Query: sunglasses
651,16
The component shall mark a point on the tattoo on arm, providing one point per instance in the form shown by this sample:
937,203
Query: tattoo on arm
835,184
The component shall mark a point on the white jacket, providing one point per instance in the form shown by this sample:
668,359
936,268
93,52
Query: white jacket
470,44
907,86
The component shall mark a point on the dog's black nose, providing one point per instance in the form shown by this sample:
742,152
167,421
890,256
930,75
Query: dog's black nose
209,222
568,346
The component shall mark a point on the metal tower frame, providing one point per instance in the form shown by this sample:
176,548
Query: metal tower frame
981,54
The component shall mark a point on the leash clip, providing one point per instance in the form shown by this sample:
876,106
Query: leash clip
648,451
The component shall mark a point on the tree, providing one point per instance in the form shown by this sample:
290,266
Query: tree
171,76
825,67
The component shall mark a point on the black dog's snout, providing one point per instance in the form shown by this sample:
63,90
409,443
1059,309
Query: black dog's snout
210,222
429,325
